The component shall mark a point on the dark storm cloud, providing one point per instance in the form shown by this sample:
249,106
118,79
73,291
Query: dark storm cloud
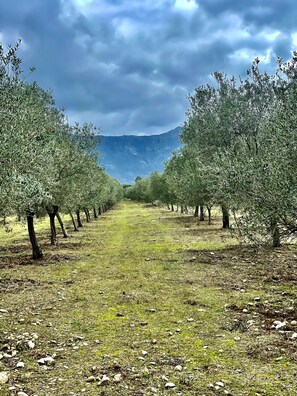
128,65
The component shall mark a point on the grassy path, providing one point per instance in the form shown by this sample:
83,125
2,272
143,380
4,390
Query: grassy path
147,297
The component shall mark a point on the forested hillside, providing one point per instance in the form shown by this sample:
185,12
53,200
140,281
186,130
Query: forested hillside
129,156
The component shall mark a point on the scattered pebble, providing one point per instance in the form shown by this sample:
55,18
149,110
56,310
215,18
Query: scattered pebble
190,320
170,385
3,377
20,365
31,344
48,361
22,394
178,367
117,377
104,380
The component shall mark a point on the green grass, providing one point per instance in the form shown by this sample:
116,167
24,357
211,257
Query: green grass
101,284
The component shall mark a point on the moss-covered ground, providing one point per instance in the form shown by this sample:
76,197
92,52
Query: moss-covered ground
147,297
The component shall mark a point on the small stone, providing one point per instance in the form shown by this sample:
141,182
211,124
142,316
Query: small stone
152,310
120,314
220,383
257,298
31,344
178,367
164,378
104,380
144,353
22,394
20,365
170,385
117,377
3,311
3,377
190,320
154,341
294,336
48,361
294,322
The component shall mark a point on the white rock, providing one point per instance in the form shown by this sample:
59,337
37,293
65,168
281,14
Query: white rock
20,365
294,322
22,394
277,324
294,336
104,380
178,367
220,383
31,344
3,377
190,320
170,385
117,377
3,311
46,361
144,353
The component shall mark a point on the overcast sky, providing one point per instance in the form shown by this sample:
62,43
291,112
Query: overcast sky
128,65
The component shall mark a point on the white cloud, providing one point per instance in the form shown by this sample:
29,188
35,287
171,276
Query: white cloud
185,5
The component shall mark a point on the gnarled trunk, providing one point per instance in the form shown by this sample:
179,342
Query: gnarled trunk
52,214
275,235
209,214
95,213
79,223
73,221
65,235
87,215
196,211
201,216
36,250
225,214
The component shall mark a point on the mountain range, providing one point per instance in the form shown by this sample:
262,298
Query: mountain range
128,156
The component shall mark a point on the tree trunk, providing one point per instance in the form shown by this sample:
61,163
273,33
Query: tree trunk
225,213
79,223
209,214
172,208
65,235
95,213
73,221
181,209
99,211
36,250
201,216
87,215
196,211
275,235
52,214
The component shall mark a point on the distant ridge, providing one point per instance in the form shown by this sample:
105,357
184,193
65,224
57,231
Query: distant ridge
128,156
